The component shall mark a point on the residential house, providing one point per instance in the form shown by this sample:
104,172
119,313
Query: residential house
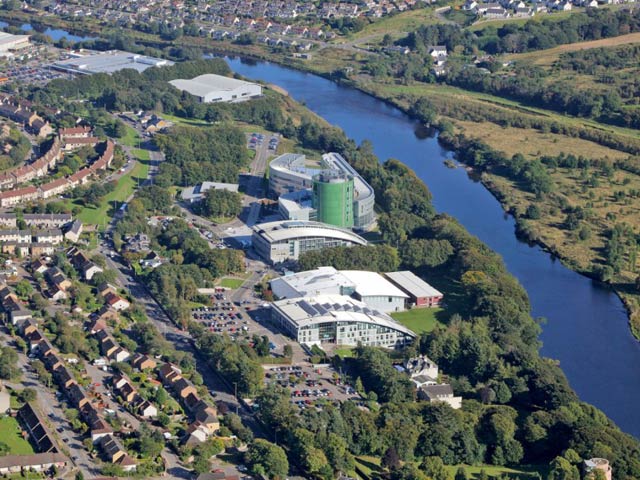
440,393
143,362
76,396
116,302
74,231
37,462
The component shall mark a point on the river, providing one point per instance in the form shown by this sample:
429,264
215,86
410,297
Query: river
586,328
55,33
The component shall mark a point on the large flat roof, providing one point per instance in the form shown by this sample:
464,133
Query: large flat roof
413,284
287,230
306,311
372,284
109,62
7,40
203,85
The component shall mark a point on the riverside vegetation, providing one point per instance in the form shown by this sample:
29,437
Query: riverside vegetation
518,407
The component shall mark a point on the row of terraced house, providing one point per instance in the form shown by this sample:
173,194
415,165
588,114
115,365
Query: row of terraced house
100,431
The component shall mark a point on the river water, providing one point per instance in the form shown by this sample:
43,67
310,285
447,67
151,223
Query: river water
586,328
54,33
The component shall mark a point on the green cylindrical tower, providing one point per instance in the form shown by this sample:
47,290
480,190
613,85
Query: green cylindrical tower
333,198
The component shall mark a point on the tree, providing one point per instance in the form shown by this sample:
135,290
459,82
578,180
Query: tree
23,289
28,395
391,459
266,458
434,468
8,361
461,474
287,351
561,469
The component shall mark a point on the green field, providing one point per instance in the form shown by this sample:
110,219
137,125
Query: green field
419,319
124,188
492,471
232,283
369,466
11,435
344,352
131,139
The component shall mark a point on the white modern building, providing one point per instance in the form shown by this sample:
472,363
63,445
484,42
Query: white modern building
368,287
210,88
291,172
339,320
286,240
297,206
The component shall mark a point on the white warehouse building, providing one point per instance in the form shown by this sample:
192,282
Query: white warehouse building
210,88
368,287
286,240
339,320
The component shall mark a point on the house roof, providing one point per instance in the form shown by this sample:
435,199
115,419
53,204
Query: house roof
413,284
33,460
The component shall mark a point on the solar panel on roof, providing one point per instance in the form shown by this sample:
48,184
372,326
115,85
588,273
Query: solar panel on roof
309,309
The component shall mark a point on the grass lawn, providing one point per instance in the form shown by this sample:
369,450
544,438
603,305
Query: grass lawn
190,122
131,139
419,319
493,471
232,283
12,437
124,188
368,465
344,352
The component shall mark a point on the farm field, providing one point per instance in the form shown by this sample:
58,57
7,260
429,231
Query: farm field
547,57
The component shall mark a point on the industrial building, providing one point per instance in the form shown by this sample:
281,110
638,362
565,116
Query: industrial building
11,43
109,62
340,320
368,287
421,294
287,240
210,88
340,196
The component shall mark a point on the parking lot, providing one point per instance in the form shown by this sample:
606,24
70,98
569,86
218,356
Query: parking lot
32,66
311,386
255,140
223,316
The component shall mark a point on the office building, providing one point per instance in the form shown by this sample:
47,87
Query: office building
287,240
339,320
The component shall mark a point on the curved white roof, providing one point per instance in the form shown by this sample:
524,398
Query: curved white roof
281,231
202,85
308,311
